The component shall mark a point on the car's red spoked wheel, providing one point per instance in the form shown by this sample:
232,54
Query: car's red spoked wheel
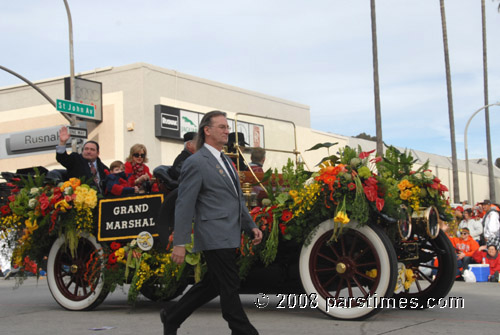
342,269
72,284
350,274
70,272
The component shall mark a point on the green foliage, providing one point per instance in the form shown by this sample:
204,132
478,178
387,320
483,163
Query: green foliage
327,145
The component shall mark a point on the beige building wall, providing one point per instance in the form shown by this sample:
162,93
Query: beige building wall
130,93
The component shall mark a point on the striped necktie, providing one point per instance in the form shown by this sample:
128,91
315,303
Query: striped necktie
94,174
229,169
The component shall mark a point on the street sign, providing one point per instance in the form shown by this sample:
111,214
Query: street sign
81,110
77,132
87,92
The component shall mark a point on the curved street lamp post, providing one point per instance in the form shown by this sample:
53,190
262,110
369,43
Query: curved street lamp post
466,150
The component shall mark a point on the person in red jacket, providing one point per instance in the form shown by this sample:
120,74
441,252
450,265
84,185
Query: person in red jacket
137,171
116,182
490,257
465,246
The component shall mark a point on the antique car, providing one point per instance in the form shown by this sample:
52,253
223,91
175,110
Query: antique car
345,239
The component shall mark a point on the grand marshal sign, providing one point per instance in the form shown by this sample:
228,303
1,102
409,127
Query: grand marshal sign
126,218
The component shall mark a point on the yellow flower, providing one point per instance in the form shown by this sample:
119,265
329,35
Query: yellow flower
341,217
409,279
293,193
404,184
405,194
30,227
120,253
74,182
63,205
65,185
85,198
371,273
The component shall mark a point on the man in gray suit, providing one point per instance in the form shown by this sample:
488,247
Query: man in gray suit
210,191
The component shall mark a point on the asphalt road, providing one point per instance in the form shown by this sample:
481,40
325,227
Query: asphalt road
30,309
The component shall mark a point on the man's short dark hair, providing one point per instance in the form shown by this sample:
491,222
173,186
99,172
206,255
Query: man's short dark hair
205,122
94,142
189,136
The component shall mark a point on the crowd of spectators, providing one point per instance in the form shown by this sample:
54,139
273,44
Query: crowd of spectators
477,239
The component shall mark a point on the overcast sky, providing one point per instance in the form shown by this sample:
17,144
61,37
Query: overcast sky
314,52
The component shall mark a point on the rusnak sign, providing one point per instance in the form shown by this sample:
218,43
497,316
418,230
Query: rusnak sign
126,218
32,140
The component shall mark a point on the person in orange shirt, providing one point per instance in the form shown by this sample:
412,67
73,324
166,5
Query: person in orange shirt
465,246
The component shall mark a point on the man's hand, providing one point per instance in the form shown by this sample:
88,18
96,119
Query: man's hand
257,236
461,255
63,136
178,254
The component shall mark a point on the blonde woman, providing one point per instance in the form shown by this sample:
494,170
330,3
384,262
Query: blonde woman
137,171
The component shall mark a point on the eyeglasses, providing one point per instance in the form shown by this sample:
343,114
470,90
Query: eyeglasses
222,127
136,155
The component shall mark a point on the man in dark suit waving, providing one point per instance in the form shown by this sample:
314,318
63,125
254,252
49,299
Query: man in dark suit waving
209,189
87,164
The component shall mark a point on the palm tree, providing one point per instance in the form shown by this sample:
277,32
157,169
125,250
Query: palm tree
491,177
378,116
456,190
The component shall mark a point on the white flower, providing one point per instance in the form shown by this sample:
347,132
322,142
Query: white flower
32,203
428,174
34,191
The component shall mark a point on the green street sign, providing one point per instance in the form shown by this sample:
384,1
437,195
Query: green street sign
82,110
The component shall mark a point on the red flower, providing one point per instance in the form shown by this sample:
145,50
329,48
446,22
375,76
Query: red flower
112,258
44,203
436,180
29,265
372,181
5,210
282,227
365,154
351,186
287,215
376,159
11,198
53,220
255,212
115,246
56,197
380,204
370,192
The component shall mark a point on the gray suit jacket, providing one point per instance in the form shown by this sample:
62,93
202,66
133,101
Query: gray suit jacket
206,194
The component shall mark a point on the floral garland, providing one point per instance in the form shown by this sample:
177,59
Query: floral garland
36,213
347,187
